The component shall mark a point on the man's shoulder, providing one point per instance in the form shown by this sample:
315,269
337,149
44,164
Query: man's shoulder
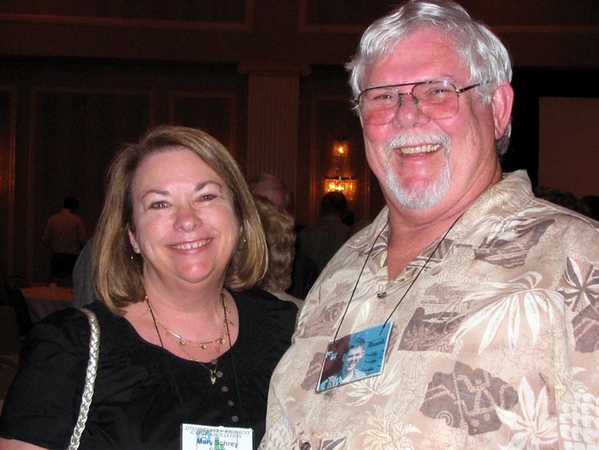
57,216
73,218
543,210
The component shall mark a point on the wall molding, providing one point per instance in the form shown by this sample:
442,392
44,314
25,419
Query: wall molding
127,22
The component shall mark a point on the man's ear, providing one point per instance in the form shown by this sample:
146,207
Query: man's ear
502,102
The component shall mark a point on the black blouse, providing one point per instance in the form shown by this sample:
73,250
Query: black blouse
142,393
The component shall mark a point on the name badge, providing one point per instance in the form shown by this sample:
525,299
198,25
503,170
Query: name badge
200,437
355,357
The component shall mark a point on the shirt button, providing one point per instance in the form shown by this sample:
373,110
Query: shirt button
305,446
224,389
230,403
235,419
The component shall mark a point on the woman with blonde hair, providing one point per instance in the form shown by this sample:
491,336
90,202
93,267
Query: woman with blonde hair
279,228
185,337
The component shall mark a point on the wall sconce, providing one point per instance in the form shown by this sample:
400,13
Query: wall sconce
340,178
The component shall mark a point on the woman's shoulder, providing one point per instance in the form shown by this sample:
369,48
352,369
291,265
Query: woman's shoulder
263,301
75,317
71,327
69,323
258,306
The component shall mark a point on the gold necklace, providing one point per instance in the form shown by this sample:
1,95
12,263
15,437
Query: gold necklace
213,371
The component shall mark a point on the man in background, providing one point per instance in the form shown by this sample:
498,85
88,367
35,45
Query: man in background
274,189
320,241
65,234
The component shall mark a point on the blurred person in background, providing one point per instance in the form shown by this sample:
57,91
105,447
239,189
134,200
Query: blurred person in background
280,240
66,235
304,271
322,240
274,189
590,206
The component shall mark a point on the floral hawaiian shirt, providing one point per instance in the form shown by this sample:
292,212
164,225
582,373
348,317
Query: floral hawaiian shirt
493,345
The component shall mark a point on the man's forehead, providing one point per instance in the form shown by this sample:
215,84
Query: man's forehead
422,55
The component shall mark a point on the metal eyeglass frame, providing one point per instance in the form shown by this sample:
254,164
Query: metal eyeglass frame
401,95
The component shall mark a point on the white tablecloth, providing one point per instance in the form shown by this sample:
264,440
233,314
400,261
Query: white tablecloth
43,300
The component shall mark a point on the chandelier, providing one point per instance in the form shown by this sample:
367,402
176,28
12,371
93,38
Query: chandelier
340,178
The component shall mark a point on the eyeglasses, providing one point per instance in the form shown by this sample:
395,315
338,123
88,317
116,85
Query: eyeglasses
436,99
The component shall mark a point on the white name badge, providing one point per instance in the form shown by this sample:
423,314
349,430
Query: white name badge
200,437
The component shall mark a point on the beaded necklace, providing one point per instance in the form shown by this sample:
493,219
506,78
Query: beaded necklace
213,371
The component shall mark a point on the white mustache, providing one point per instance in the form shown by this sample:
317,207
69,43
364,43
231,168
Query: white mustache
414,140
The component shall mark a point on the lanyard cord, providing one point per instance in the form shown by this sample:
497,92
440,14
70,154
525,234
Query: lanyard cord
409,287
357,281
430,256
169,369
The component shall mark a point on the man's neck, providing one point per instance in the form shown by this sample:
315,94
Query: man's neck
411,231
405,244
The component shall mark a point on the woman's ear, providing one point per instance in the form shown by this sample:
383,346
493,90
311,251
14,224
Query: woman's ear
502,102
133,241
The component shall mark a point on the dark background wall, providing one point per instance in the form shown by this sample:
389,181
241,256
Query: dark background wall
79,79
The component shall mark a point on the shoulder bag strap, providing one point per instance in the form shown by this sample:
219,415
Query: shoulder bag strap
90,378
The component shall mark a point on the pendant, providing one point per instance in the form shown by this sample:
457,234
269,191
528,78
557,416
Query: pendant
212,376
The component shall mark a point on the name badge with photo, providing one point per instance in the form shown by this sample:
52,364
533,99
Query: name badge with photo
200,437
355,357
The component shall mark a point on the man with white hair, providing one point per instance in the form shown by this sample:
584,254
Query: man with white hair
491,294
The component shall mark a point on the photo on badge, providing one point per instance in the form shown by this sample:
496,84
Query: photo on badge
354,357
